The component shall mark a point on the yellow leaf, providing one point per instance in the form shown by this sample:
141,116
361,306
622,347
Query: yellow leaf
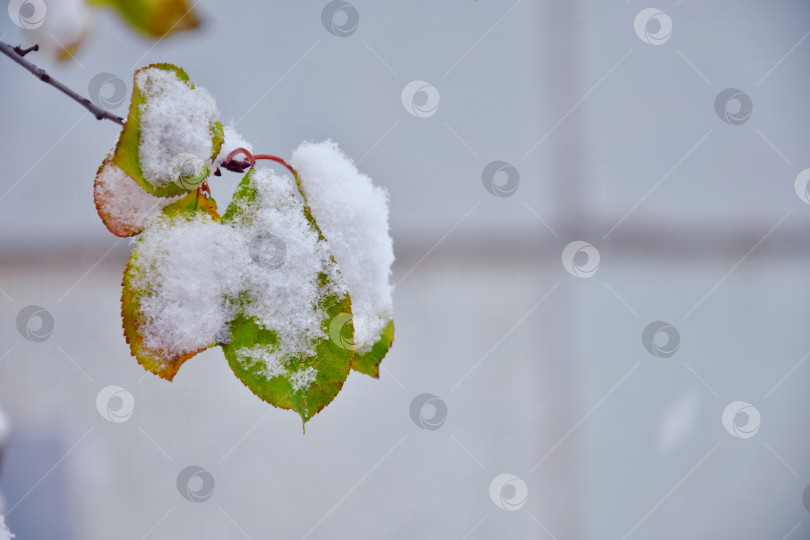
154,18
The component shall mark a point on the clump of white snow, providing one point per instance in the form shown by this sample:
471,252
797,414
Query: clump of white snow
303,378
353,215
271,365
268,361
5,534
192,271
232,141
287,257
175,119
126,206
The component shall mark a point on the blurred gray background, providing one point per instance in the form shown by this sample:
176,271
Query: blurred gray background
617,140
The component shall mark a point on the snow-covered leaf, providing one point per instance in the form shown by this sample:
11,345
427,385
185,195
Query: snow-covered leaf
171,304
280,346
296,289
353,214
304,382
172,133
123,205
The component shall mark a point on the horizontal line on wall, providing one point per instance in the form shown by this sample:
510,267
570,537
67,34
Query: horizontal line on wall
525,246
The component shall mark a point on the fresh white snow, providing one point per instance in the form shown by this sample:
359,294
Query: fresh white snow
303,378
126,205
271,364
194,270
190,269
353,215
175,119
287,257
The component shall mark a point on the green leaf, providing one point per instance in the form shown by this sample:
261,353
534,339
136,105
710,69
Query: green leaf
158,362
369,362
154,18
249,342
126,154
304,383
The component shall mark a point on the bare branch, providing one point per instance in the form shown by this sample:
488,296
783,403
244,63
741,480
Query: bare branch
17,53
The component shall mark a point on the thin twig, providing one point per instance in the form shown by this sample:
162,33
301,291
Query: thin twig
17,53
22,52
